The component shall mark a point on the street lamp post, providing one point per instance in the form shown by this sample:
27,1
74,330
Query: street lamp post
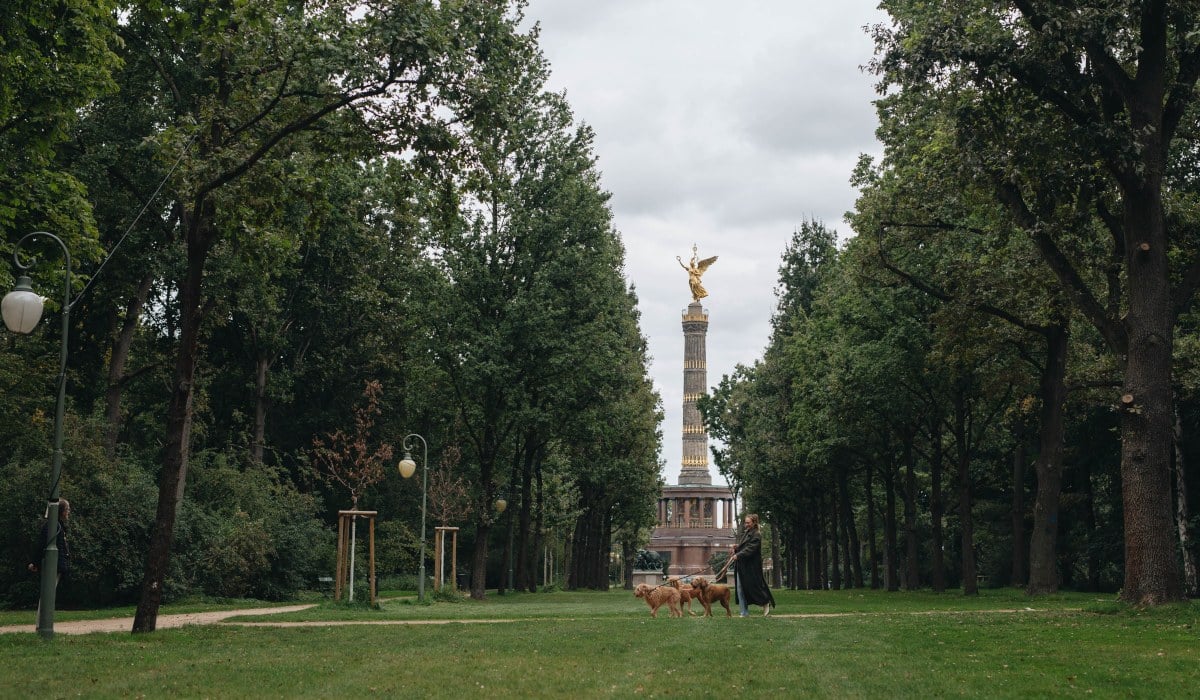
501,507
22,308
407,467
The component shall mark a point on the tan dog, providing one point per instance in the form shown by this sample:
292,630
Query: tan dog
686,594
657,595
710,593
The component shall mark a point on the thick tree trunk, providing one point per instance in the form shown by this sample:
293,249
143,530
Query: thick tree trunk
912,576
1151,569
173,476
1182,517
1043,545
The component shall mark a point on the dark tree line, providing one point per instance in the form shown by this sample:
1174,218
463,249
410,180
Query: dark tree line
997,366
332,198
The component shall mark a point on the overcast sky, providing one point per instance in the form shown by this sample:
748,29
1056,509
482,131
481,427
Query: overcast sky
723,125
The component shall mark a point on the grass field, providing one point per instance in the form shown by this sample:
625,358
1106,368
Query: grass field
825,644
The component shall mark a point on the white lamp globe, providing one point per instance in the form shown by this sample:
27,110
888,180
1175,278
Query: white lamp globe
407,466
22,307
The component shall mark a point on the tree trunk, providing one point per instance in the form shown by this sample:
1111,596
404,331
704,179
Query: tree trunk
834,542
937,511
525,572
816,570
628,557
776,559
890,545
479,558
852,546
1043,545
801,581
173,476
1151,570
872,553
118,358
970,585
539,538
484,516
912,576
262,368
1019,553
1181,513
1093,534
507,551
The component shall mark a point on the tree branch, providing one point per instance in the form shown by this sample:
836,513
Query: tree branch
1067,275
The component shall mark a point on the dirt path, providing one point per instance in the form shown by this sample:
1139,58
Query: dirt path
125,624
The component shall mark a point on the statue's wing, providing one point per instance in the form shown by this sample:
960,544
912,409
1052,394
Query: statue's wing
705,263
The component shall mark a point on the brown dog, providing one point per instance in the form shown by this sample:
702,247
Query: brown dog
657,595
710,593
686,594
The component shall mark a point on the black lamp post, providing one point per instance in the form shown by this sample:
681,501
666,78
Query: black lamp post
22,308
407,467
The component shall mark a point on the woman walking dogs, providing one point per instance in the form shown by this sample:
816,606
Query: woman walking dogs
752,586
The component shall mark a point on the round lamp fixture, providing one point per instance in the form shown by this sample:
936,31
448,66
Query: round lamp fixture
22,307
407,466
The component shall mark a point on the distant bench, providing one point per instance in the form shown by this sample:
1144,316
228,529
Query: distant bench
325,585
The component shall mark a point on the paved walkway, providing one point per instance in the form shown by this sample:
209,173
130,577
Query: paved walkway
125,624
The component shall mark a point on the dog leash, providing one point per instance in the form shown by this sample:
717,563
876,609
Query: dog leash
669,581
688,577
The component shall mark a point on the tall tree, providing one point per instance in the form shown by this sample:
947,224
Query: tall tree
244,79
1115,80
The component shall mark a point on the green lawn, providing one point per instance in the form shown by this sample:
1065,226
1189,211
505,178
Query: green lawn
606,644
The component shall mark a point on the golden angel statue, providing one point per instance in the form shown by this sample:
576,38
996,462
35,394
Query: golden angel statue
695,270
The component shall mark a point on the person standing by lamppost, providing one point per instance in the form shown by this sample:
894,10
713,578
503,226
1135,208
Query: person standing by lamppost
61,544
752,588
22,308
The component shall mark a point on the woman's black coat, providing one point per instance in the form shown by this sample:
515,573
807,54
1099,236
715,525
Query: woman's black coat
749,570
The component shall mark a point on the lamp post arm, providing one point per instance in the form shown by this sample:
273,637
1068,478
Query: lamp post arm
60,404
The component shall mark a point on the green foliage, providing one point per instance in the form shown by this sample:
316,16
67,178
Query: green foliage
397,549
57,58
